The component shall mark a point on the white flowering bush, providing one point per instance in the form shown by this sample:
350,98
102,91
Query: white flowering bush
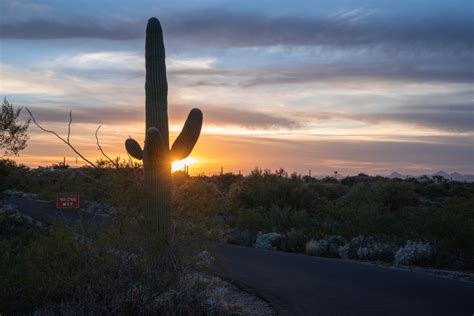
361,240
414,253
343,251
375,251
334,242
267,241
292,241
195,293
204,260
366,248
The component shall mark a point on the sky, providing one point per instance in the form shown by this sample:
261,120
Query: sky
352,86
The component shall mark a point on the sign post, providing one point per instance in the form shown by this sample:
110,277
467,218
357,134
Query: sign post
68,201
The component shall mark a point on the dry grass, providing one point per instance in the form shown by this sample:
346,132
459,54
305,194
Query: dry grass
311,248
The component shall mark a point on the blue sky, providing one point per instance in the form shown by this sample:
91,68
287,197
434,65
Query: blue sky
357,86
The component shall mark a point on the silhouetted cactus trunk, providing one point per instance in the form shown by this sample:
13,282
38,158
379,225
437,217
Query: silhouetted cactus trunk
157,156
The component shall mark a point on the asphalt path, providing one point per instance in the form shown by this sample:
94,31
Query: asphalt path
302,285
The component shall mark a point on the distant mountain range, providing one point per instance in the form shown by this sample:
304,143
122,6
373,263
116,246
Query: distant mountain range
455,176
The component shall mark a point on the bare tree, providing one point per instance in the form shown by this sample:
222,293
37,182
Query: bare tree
13,136
67,141
64,140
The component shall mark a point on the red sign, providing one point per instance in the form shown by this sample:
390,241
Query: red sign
67,201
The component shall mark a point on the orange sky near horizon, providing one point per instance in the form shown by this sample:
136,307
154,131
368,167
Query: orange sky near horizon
323,154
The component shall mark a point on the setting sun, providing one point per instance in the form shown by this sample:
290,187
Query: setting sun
180,164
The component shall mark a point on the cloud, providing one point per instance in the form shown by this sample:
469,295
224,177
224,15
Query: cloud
239,117
177,113
442,118
89,115
224,29
220,28
127,60
37,29
101,60
450,118
19,6
399,70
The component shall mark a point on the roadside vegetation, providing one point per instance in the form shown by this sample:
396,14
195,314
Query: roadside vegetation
413,221
59,268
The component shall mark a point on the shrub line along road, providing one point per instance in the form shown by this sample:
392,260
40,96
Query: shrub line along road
302,285
297,284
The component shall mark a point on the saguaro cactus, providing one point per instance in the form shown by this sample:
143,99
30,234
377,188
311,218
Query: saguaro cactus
156,155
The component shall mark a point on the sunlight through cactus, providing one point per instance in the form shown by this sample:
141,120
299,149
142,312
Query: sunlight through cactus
156,155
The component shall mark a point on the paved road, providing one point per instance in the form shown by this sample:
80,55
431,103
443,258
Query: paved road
302,285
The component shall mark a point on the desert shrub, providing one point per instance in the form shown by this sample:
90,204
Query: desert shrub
367,220
331,191
262,189
433,190
282,219
251,221
394,195
120,271
278,218
13,176
204,260
225,181
414,253
236,236
335,242
448,226
376,251
391,195
343,251
293,241
267,241
197,204
194,294
367,248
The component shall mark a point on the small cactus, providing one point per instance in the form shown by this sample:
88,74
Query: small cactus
156,155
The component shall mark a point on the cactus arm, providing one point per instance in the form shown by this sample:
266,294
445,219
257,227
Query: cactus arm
156,85
134,149
188,137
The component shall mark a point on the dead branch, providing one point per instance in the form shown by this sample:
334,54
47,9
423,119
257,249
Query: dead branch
102,151
69,125
66,141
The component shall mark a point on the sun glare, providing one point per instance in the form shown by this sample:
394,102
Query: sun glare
179,165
